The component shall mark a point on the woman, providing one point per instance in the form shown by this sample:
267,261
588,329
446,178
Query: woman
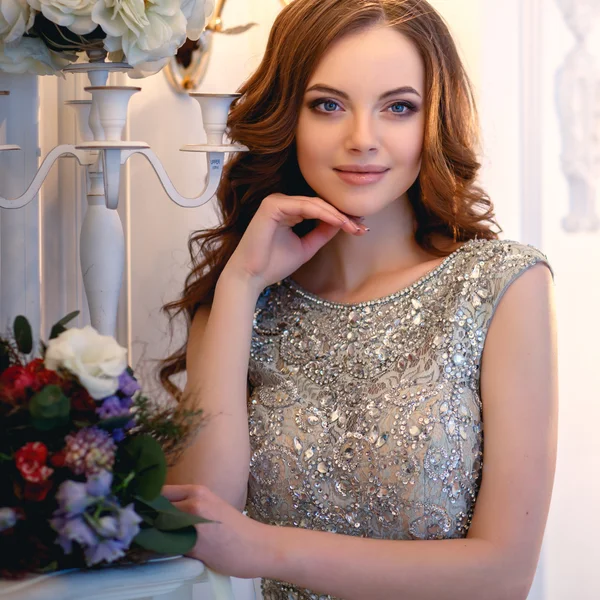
354,323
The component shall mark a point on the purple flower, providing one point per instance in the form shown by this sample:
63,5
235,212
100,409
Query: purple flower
129,522
128,385
108,550
111,407
114,406
72,497
108,527
78,531
118,435
90,451
91,516
99,484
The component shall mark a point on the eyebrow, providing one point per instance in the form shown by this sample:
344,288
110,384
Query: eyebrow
329,90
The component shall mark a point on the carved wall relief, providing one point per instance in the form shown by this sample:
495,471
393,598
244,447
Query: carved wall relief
578,104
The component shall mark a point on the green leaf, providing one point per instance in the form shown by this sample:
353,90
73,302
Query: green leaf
23,334
4,356
144,455
49,408
59,327
169,517
114,423
167,542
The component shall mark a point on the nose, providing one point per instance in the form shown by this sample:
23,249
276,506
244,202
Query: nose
362,133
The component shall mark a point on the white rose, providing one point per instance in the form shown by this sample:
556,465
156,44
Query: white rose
145,31
97,360
76,15
30,55
142,69
16,18
197,13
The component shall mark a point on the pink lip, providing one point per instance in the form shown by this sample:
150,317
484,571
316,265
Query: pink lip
362,168
360,177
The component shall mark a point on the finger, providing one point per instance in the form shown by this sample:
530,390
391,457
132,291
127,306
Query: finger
192,507
313,241
294,209
320,202
176,493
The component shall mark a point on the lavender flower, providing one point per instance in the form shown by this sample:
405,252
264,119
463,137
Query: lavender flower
72,496
111,407
108,550
114,406
96,522
8,518
90,451
128,385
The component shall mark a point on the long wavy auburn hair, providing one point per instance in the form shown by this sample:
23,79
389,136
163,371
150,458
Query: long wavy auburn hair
445,197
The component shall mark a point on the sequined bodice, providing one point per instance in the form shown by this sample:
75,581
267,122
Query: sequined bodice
365,419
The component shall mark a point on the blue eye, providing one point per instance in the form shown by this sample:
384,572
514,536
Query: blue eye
328,105
401,105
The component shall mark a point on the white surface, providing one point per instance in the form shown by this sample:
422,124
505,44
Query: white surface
173,577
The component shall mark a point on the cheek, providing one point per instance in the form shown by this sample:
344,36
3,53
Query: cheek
311,142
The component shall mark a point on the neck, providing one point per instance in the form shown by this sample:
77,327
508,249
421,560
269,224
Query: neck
349,262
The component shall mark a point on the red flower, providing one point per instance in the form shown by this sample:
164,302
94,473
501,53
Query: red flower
31,462
80,399
58,459
15,384
37,491
43,376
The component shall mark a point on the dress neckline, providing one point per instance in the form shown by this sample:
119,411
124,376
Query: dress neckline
426,277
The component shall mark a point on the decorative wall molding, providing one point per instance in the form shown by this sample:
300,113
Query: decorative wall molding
531,122
19,231
578,107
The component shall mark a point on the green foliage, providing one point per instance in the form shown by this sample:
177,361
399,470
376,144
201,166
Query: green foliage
5,355
113,423
169,530
59,327
23,335
49,408
171,426
143,455
167,542
165,516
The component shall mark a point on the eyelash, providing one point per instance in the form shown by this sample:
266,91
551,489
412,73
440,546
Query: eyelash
409,105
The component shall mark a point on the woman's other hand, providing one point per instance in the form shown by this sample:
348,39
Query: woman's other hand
270,250
234,545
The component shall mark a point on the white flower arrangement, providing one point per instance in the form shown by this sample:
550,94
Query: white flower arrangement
97,360
42,36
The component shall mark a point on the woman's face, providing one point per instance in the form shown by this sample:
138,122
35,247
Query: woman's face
361,125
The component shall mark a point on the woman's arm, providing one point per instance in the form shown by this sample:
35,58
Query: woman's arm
498,559
217,370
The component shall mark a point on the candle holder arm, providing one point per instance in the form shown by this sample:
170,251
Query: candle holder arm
84,158
215,161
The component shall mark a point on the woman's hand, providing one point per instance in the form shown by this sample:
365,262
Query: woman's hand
269,250
236,545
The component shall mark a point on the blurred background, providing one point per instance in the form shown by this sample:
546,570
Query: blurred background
535,65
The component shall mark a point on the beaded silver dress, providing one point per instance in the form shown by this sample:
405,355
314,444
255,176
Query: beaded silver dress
365,419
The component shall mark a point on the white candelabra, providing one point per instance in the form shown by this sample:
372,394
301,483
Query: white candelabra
102,152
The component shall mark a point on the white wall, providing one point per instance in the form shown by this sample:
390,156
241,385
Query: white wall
573,553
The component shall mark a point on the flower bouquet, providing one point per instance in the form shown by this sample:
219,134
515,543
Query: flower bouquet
83,456
43,36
